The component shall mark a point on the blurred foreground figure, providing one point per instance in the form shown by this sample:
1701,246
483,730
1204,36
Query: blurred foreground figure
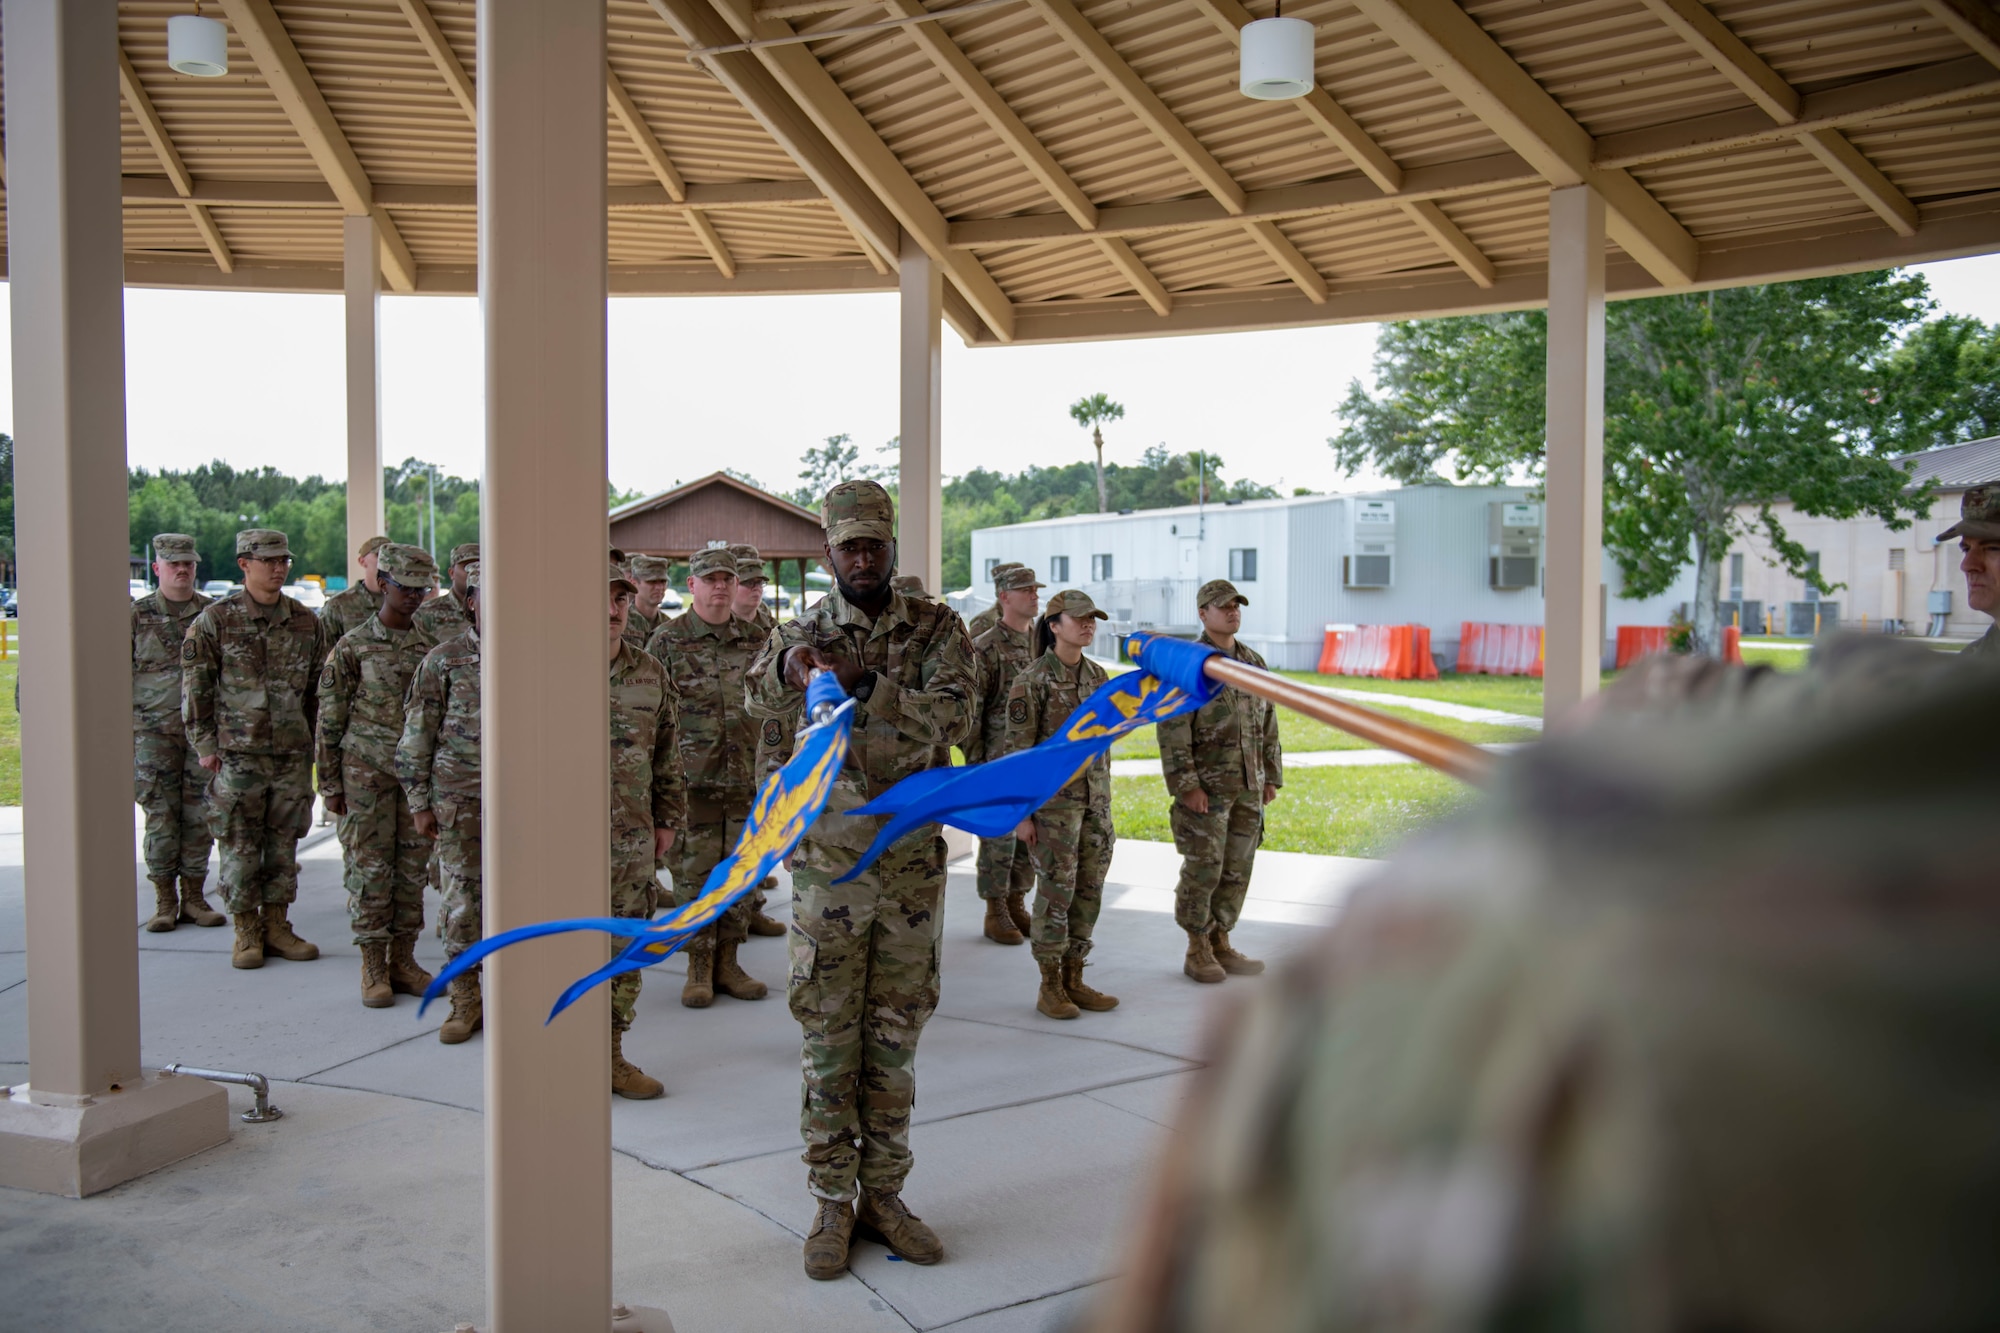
1694,1024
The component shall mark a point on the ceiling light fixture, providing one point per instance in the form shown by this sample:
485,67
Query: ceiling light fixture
197,46
1277,58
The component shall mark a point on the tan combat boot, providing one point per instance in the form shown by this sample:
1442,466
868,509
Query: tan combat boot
999,924
732,980
406,974
1017,909
759,923
279,939
166,907
627,1079
698,991
1054,1000
1232,962
375,991
897,1227
1084,997
1201,964
467,1016
194,906
249,951
827,1242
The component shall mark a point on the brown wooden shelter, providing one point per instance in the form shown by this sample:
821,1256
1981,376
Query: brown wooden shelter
718,507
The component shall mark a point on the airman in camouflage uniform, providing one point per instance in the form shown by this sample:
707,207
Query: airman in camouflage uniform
706,650
750,583
1978,533
442,619
1006,865
171,783
760,620
1071,834
361,695
650,573
990,617
1223,765
864,954
648,807
249,695
437,761
352,606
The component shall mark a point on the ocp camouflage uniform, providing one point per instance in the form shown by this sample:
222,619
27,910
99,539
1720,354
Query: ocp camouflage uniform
437,761
864,955
171,785
442,619
750,564
647,792
350,608
1006,865
1073,835
1978,519
987,619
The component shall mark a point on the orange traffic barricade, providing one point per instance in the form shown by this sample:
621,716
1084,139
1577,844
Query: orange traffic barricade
1388,652
1488,649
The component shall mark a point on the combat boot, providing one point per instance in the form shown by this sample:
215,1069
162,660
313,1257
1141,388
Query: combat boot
827,1242
999,924
166,907
1232,962
732,980
279,939
406,974
375,991
698,991
1054,1000
1084,997
249,951
1017,911
194,906
886,1217
627,1079
467,1016
759,923
1201,964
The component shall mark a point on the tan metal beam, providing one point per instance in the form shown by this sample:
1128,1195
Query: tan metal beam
1290,262
711,241
1120,256
278,60
1864,178
170,160
459,198
628,114
441,54
1972,22
1455,243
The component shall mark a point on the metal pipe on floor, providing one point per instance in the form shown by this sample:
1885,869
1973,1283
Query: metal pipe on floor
259,1114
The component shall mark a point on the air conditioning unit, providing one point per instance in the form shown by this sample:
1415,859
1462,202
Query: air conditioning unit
1514,545
1372,532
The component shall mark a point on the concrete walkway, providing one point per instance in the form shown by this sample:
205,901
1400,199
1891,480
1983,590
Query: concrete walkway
1435,707
362,1208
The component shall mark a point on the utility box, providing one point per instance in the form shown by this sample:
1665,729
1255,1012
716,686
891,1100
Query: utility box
1372,533
1940,602
1514,545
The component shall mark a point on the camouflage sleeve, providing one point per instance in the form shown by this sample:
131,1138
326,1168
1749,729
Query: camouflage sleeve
201,661
1177,754
938,712
765,694
974,744
1274,750
321,647
1024,717
135,639
422,716
336,694
669,786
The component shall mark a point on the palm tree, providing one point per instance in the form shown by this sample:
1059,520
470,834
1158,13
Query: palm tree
1093,412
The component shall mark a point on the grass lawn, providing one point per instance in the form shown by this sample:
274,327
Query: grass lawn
1328,811
1508,694
1301,734
10,736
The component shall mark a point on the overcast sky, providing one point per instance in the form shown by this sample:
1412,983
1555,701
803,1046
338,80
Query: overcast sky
752,382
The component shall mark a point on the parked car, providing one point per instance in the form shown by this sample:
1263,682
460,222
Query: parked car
673,601
309,595
139,588
218,588
777,598
10,604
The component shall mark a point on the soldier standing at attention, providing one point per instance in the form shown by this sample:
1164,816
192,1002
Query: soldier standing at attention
1223,765
1006,865
648,803
353,605
650,572
1071,834
772,748
249,695
706,650
990,617
750,583
1978,533
437,762
361,694
171,782
864,955
442,619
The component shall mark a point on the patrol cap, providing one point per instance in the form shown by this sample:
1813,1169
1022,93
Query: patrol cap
617,557
369,547
1015,579
472,575
909,585
858,509
749,560
651,568
1076,603
1219,592
712,560
463,552
619,576
1003,569
1978,516
263,543
173,546
409,566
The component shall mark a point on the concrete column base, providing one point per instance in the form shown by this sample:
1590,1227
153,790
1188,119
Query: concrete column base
77,1146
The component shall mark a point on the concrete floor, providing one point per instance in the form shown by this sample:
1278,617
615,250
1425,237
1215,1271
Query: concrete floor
362,1208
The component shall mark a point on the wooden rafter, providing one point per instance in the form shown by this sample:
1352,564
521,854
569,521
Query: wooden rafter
1120,256
1972,22
441,54
278,60
634,122
155,131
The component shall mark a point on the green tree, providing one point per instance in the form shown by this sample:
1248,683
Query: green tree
1091,413
1942,385
1717,405
835,460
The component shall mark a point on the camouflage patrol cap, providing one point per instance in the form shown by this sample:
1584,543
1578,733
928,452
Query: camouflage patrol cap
1076,603
369,547
1978,516
262,544
619,576
712,560
464,552
909,585
173,546
749,560
858,509
1015,579
1219,592
472,575
1003,569
651,568
408,566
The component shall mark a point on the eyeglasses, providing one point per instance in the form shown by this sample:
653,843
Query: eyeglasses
280,560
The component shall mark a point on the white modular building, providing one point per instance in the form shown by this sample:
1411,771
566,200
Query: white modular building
1426,555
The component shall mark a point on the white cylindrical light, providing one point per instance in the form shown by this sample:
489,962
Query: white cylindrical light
197,46
1277,59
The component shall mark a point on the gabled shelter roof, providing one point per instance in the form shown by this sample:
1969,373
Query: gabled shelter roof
718,507
1956,467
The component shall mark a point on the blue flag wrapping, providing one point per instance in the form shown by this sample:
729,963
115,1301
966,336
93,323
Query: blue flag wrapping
991,799
786,807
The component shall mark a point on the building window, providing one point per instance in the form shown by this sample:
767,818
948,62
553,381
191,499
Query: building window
990,562
1896,557
1243,564
1059,568
1812,564
1736,577
1100,568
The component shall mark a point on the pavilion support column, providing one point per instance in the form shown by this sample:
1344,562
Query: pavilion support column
1572,595
362,251
546,747
88,1117
920,522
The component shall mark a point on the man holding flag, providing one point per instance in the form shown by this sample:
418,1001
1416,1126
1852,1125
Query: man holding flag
864,954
